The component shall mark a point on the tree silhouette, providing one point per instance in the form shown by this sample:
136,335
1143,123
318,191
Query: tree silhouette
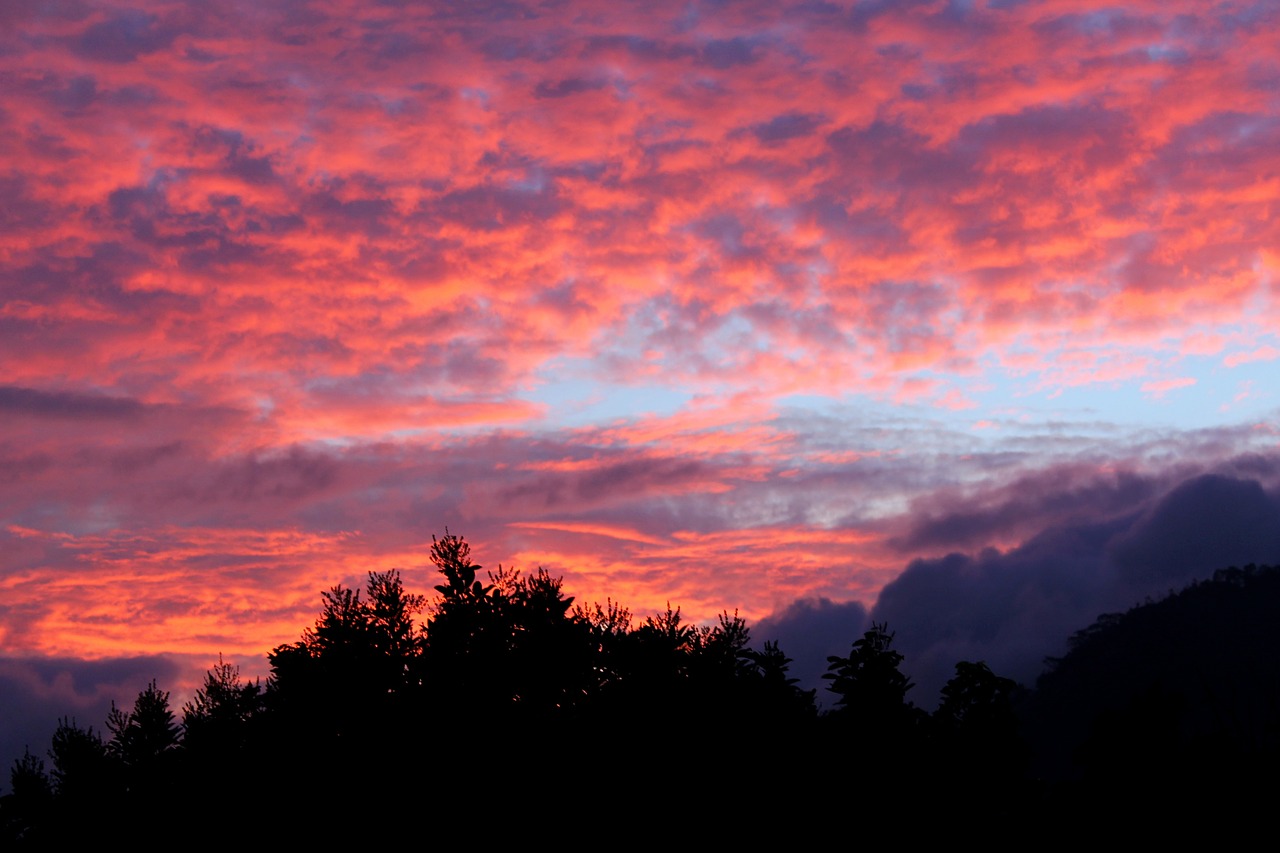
351,683
452,557
776,694
370,709
217,719
464,639
976,699
26,808
976,752
143,740
87,785
607,628
511,649
873,722
869,686
28,778
395,638
548,662
82,768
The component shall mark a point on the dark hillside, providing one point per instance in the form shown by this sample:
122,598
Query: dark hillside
1178,698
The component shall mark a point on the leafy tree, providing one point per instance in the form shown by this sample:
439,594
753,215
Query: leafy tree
653,666
452,557
873,715
548,651
976,745
667,644
464,639
723,651
776,694
868,682
873,725
607,628
976,699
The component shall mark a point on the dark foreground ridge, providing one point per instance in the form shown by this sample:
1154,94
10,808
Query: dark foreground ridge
511,714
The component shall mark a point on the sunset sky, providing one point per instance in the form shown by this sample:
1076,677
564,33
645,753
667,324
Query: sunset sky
734,305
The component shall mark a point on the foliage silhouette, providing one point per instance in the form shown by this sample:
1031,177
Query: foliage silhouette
778,695
871,689
873,723
354,666
25,810
88,788
217,718
28,778
978,758
141,737
976,701
82,766
391,699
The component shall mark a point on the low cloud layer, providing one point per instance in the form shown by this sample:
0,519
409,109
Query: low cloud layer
1014,608
37,693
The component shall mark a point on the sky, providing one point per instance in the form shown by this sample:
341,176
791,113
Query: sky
957,315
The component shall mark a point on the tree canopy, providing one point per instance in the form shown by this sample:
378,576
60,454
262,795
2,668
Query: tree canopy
400,695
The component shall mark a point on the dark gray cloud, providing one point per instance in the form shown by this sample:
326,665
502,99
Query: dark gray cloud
489,208
639,47
368,216
290,475
97,275
565,88
36,692
809,631
63,404
17,466
787,126
1209,522
727,53
1037,499
625,477
1014,608
124,37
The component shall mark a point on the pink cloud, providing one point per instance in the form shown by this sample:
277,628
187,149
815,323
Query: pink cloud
1262,353
277,273
1157,389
